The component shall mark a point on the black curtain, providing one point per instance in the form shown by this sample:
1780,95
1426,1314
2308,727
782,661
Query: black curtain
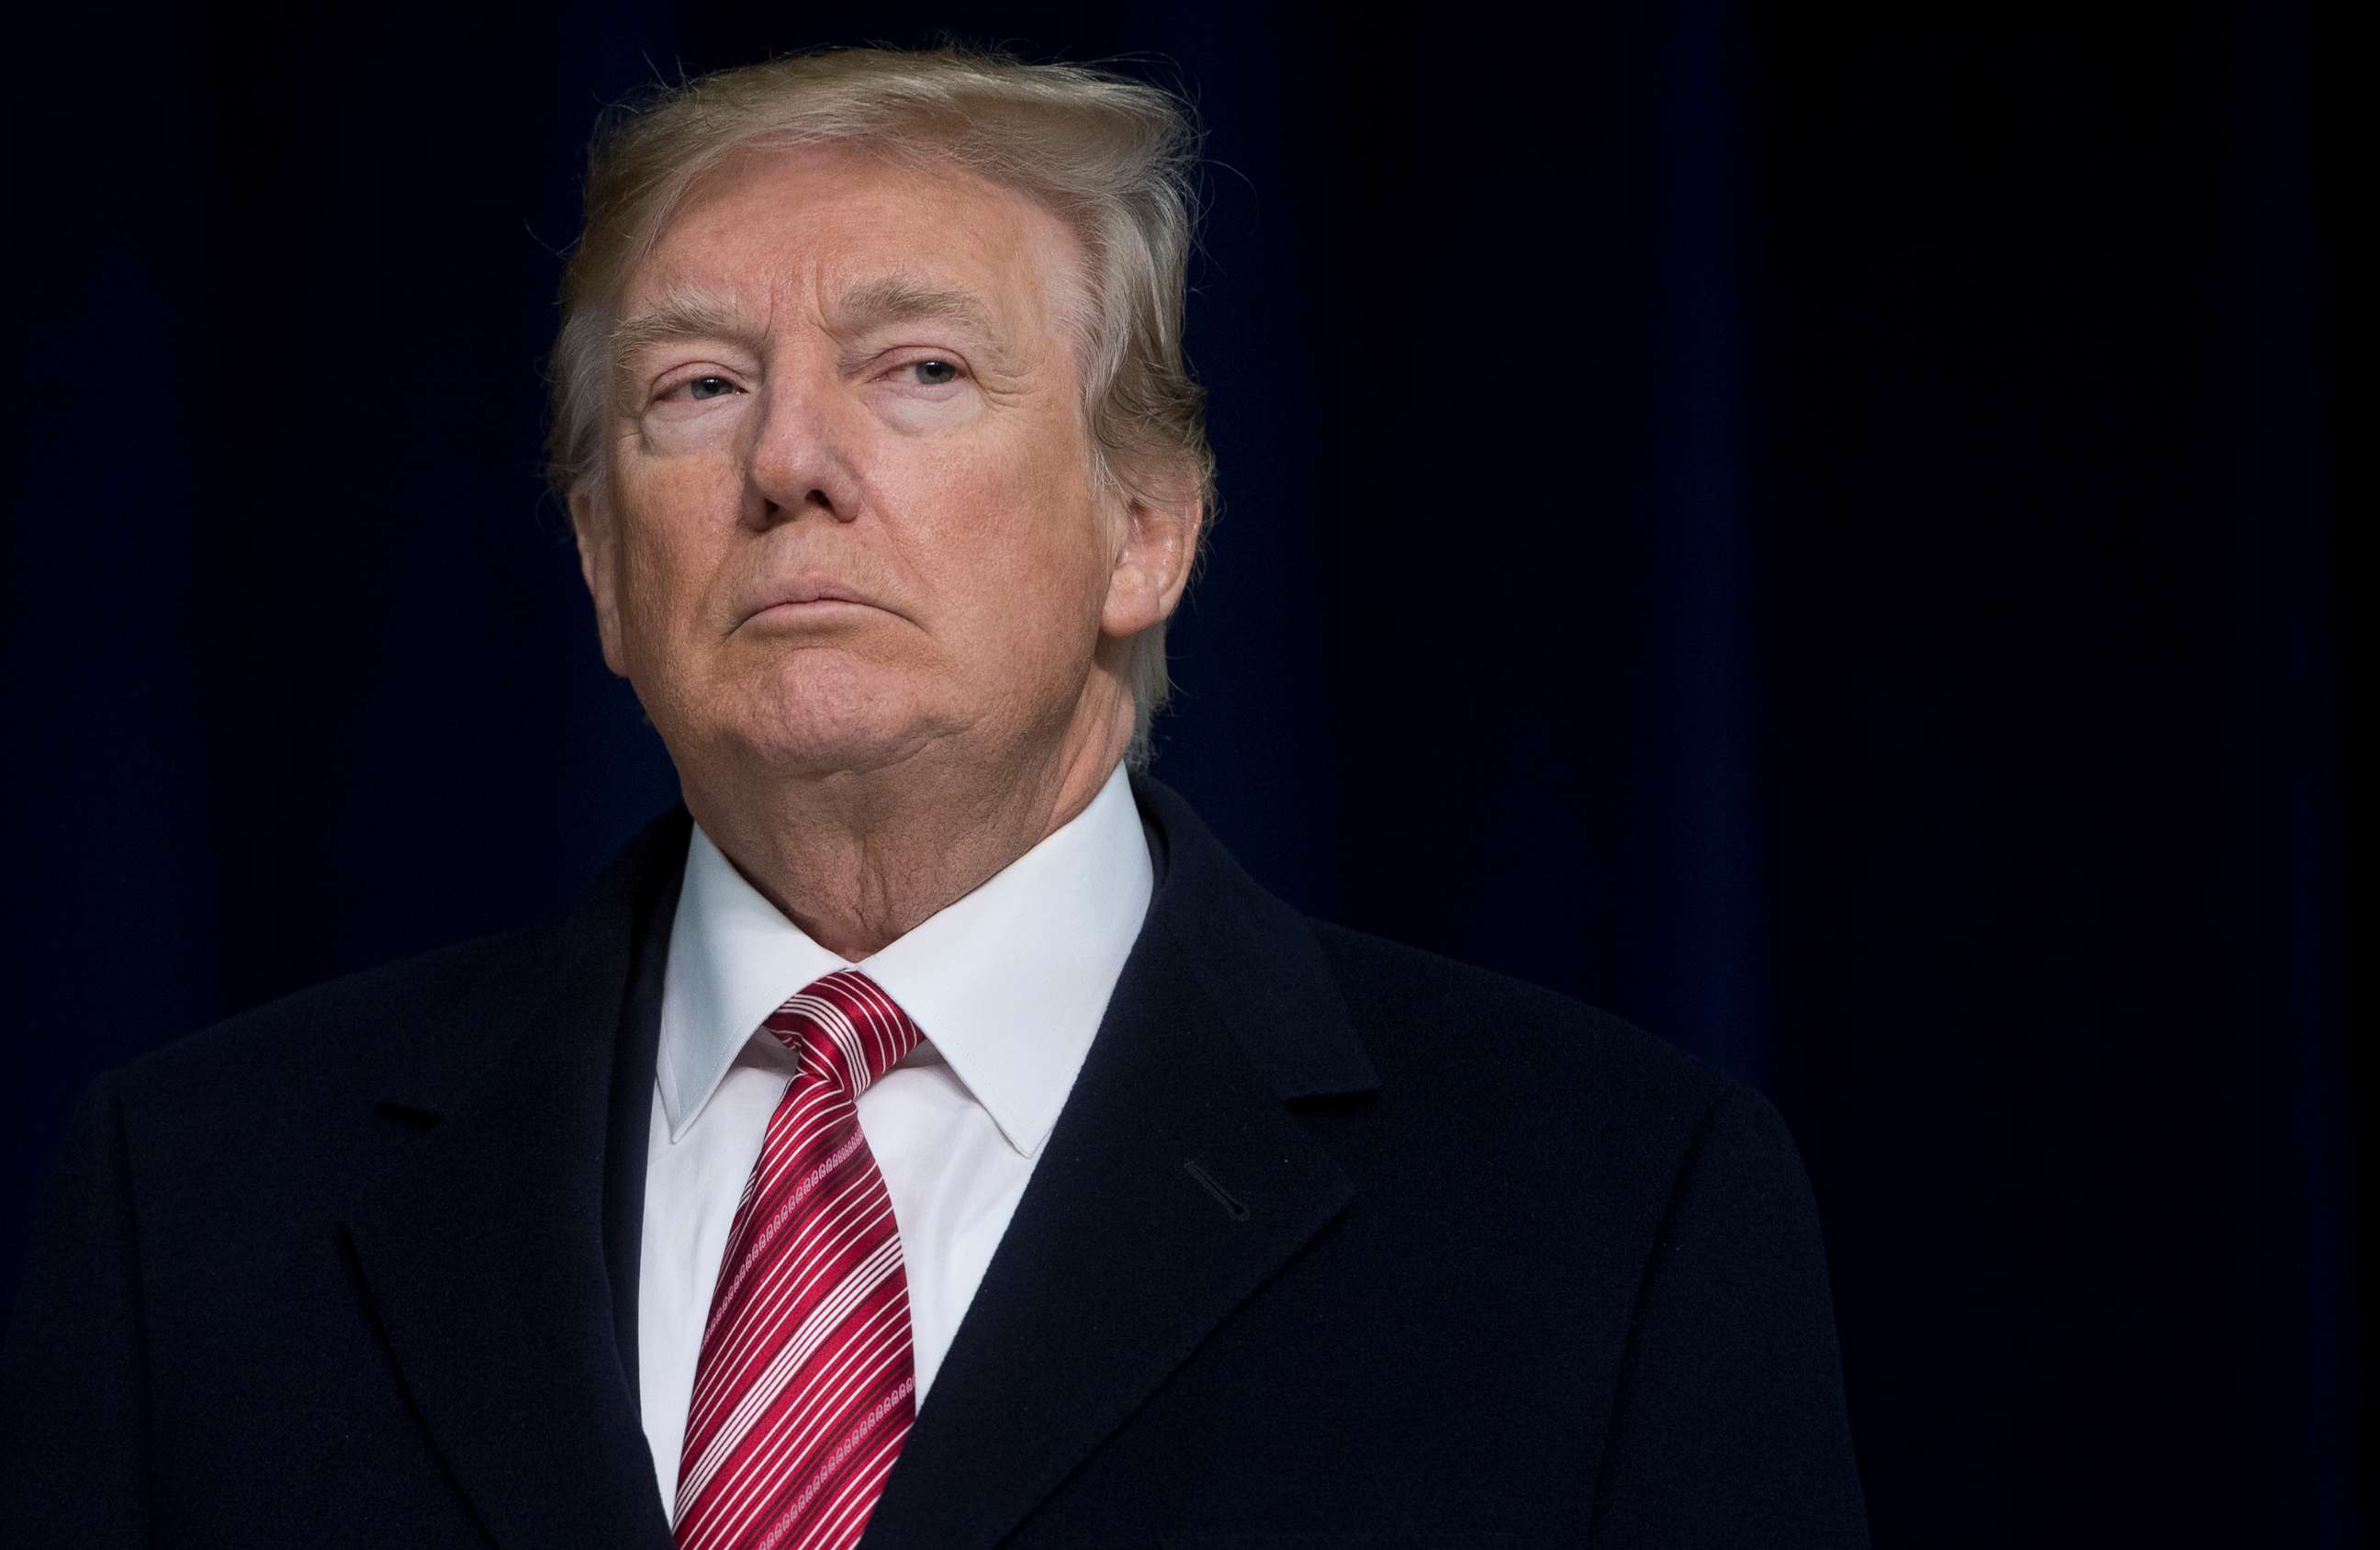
1816,532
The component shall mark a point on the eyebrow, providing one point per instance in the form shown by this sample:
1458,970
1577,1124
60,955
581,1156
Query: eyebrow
690,311
903,298
897,298
684,311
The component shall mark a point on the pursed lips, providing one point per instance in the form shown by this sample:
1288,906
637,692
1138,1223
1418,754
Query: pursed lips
802,594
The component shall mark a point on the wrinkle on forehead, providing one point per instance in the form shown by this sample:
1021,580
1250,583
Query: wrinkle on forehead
992,276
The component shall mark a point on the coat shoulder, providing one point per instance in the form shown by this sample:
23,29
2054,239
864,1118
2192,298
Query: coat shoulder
358,1031
1392,986
1491,1045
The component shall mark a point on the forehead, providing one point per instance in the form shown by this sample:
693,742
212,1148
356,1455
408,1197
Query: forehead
781,228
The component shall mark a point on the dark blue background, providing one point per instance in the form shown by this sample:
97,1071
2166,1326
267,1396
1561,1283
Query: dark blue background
1815,534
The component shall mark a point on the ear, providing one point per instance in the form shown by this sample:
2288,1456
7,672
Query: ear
591,520
1158,538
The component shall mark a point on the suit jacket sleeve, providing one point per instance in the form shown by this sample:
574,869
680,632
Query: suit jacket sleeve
1729,1426
72,1421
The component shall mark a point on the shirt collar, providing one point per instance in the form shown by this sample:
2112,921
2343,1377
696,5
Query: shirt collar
1008,984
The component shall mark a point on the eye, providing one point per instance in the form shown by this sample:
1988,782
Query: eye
934,373
708,387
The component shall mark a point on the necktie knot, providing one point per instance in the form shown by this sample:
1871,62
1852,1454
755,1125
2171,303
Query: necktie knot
846,1029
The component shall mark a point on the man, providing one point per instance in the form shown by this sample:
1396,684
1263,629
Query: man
926,1131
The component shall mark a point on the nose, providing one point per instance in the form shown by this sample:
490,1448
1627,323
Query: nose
803,453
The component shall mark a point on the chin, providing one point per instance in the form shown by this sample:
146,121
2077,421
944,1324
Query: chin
825,712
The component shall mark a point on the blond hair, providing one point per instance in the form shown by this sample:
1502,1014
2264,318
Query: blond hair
1112,157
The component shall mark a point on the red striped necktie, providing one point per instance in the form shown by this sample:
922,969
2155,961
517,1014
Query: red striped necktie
803,1389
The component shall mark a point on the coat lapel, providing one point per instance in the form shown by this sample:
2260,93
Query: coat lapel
484,1253
1176,1184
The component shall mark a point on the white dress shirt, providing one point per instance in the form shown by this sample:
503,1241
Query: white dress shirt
1007,985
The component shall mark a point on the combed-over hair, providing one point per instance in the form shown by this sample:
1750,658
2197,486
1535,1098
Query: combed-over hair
1112,157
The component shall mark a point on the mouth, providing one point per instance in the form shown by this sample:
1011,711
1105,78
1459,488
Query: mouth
808,597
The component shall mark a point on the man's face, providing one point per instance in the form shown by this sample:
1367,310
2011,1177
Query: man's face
847,509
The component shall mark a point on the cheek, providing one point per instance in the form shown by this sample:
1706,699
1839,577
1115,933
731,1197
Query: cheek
644,586
1012,542
673,542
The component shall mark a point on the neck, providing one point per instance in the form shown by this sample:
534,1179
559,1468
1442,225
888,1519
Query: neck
859,858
